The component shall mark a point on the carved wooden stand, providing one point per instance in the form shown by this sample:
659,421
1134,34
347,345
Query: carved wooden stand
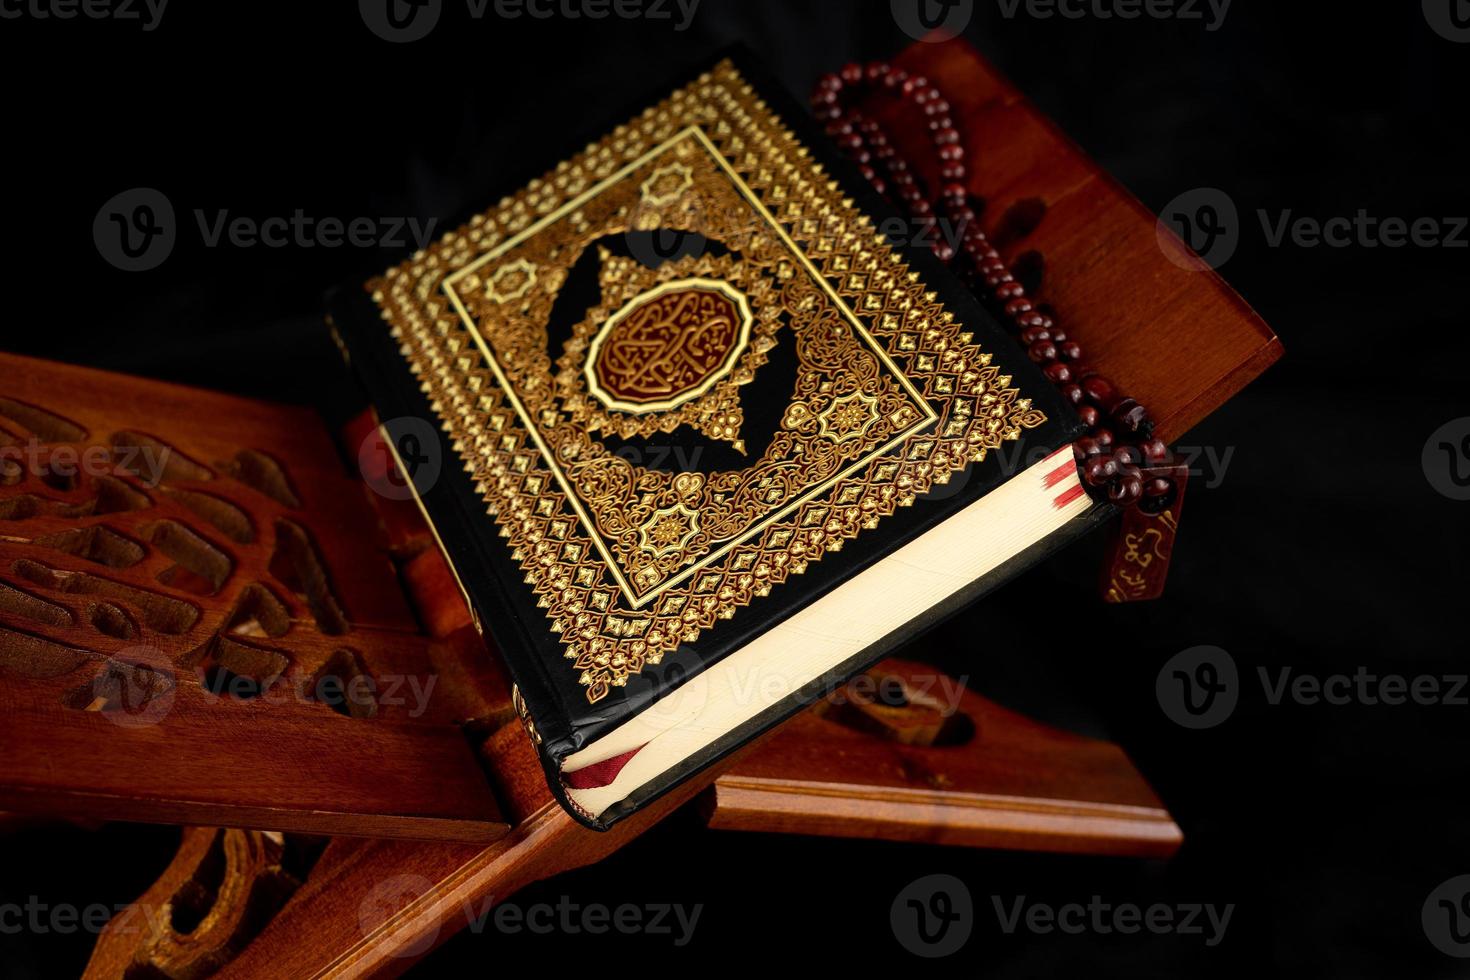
208,618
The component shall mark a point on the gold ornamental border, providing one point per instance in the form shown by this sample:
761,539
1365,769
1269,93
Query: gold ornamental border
695,132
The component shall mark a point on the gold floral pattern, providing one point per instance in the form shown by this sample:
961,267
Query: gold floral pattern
891,395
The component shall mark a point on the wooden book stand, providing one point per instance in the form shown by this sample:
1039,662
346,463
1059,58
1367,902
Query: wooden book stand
208,618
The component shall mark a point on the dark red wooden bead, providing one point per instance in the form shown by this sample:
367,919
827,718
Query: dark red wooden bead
944,251
947,136
1129,414
1018,306
951,152
876,71
852,73
1057,373
1088,446
1070,349
1127,455
1042,351
1098,470
1031,335
1158,487
1073,394
953,170
1155,450
1126,490
1098,390
1087,414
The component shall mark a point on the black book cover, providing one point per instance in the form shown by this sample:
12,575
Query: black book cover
683,385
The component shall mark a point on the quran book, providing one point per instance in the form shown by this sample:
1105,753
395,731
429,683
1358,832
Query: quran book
717,434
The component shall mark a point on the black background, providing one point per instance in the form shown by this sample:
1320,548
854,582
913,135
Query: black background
1322,547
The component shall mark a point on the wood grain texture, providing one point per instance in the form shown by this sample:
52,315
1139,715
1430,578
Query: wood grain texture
201,621
980,776
1171,333
373,908
1178,339
211,901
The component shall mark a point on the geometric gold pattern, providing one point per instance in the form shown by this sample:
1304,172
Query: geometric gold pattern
891,398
